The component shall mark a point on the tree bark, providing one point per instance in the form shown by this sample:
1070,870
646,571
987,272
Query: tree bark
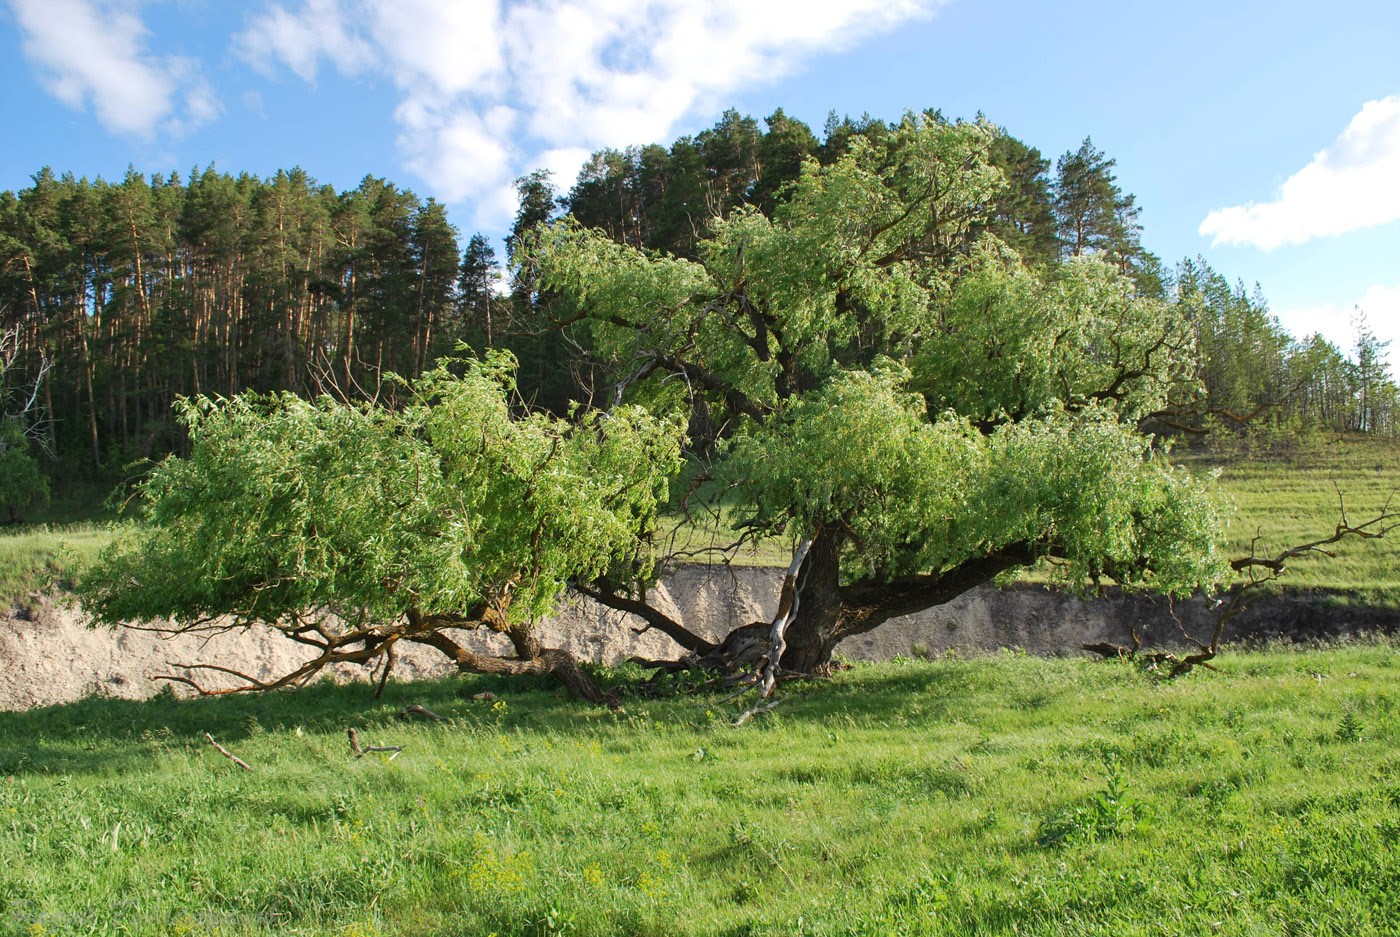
813,634
831,611
549,661
869,604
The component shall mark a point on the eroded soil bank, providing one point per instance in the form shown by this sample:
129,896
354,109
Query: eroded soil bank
48,655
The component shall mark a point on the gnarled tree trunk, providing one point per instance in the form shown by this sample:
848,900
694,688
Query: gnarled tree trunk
815,630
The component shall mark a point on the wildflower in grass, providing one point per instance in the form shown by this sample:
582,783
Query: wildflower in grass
648,885
493,872
593,875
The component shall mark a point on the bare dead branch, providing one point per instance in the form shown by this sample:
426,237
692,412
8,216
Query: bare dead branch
1236,599
422,712
228,754
788,601
757,709
360,751
1372,529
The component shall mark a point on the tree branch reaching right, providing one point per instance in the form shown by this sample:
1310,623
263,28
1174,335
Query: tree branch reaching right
1256,571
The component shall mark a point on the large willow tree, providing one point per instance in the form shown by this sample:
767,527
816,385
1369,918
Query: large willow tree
352,528
894,391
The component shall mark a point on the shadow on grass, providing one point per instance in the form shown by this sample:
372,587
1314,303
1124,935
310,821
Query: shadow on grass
101,735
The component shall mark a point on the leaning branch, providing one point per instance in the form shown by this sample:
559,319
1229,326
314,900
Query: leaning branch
605,593
866,605
228,754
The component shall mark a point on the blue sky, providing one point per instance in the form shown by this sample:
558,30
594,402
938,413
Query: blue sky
1264,136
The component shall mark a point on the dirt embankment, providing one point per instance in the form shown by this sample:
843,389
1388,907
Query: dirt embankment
48,655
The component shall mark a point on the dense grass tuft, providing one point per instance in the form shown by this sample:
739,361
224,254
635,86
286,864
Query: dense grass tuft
999,795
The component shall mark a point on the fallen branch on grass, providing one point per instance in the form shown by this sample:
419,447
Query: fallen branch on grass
360,751
228,754
416,710
757,710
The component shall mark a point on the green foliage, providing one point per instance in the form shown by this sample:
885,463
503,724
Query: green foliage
1010,342
22,485
1107,813
915,495
899,379
217,284
1350,728
1097,217
286,506
909,799
1023,214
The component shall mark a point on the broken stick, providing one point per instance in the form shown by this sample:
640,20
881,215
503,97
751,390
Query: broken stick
421,711
361,751
228,754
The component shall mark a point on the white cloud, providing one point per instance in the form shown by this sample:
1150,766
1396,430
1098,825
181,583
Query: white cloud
1353,184
439,48
1335,322
94,54
300,40
455,150
572,75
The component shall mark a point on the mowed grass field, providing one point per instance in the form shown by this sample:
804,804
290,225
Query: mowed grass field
993,796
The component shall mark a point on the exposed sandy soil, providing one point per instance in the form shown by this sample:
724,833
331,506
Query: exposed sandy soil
48,655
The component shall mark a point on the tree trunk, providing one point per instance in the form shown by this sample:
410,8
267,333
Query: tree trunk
813,634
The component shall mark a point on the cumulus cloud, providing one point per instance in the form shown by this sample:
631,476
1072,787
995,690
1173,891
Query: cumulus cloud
1353,184
91,54
491,89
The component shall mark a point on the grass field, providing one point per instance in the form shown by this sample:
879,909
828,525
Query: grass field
989,796
41,556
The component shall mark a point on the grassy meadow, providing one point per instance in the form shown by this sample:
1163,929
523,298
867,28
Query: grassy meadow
998,795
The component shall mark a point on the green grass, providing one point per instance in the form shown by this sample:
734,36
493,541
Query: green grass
41,556
988,796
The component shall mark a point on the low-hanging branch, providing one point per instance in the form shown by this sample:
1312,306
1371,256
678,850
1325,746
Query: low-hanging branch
351,528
